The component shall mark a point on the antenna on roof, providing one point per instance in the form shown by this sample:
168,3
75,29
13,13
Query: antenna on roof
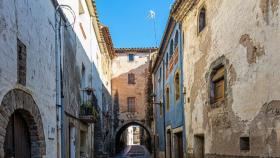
152,16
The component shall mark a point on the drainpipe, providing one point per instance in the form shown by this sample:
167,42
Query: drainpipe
59,91
163,103
57,81
181,58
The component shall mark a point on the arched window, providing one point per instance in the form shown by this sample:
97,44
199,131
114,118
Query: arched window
202,19
166,60
171,48
177,85
83,79
176,38
167,101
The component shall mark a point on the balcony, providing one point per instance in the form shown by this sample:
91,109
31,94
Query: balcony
88,108
88,113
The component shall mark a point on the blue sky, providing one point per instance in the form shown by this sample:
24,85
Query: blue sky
129,23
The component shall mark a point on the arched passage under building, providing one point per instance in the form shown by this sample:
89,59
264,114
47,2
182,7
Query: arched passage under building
120,130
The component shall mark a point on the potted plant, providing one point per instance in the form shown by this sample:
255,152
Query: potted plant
87,108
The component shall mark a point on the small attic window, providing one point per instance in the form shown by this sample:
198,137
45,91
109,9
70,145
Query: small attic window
130,57
202,19
81,8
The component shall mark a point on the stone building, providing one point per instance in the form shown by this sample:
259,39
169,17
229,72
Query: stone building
129,80
55,78
231,76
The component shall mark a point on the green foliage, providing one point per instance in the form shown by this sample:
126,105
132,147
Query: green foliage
88,109
149,98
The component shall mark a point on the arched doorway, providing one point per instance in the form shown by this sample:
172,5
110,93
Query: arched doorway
22,128
124,126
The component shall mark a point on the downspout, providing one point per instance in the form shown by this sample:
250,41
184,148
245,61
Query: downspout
163,103
57,81
181,59
91,84
59,90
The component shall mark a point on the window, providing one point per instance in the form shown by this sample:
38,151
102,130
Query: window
130,57
167,101
83,79
171,49
218,85
176,38
161,109
177,86
131,104
166,60
244,143
83,31
21,63
81,8
202,19
131,78
159,75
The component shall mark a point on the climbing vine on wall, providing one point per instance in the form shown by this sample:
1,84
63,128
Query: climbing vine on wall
149,97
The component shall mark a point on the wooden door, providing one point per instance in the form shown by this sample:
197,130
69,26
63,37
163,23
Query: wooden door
180,144
17,141
169,144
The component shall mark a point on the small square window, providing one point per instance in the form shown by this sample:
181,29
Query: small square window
131,78
244,143
130,57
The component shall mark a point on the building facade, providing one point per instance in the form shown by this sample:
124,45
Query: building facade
231,77
129,84
130,68
27,79
55,79
169,99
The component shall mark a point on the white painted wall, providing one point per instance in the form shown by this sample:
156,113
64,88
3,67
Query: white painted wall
29,21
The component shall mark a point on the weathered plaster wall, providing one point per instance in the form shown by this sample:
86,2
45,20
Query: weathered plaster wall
29,21
82,48
243,35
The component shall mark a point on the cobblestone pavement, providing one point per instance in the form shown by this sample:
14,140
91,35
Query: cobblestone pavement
135,151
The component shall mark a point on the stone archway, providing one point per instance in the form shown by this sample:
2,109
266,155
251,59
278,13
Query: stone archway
20,101
124,126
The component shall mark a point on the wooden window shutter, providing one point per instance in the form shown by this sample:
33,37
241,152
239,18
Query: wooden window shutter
218,74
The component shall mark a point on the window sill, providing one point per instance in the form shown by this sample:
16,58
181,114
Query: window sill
217,104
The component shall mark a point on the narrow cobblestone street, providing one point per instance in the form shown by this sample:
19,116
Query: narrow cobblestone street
135,151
